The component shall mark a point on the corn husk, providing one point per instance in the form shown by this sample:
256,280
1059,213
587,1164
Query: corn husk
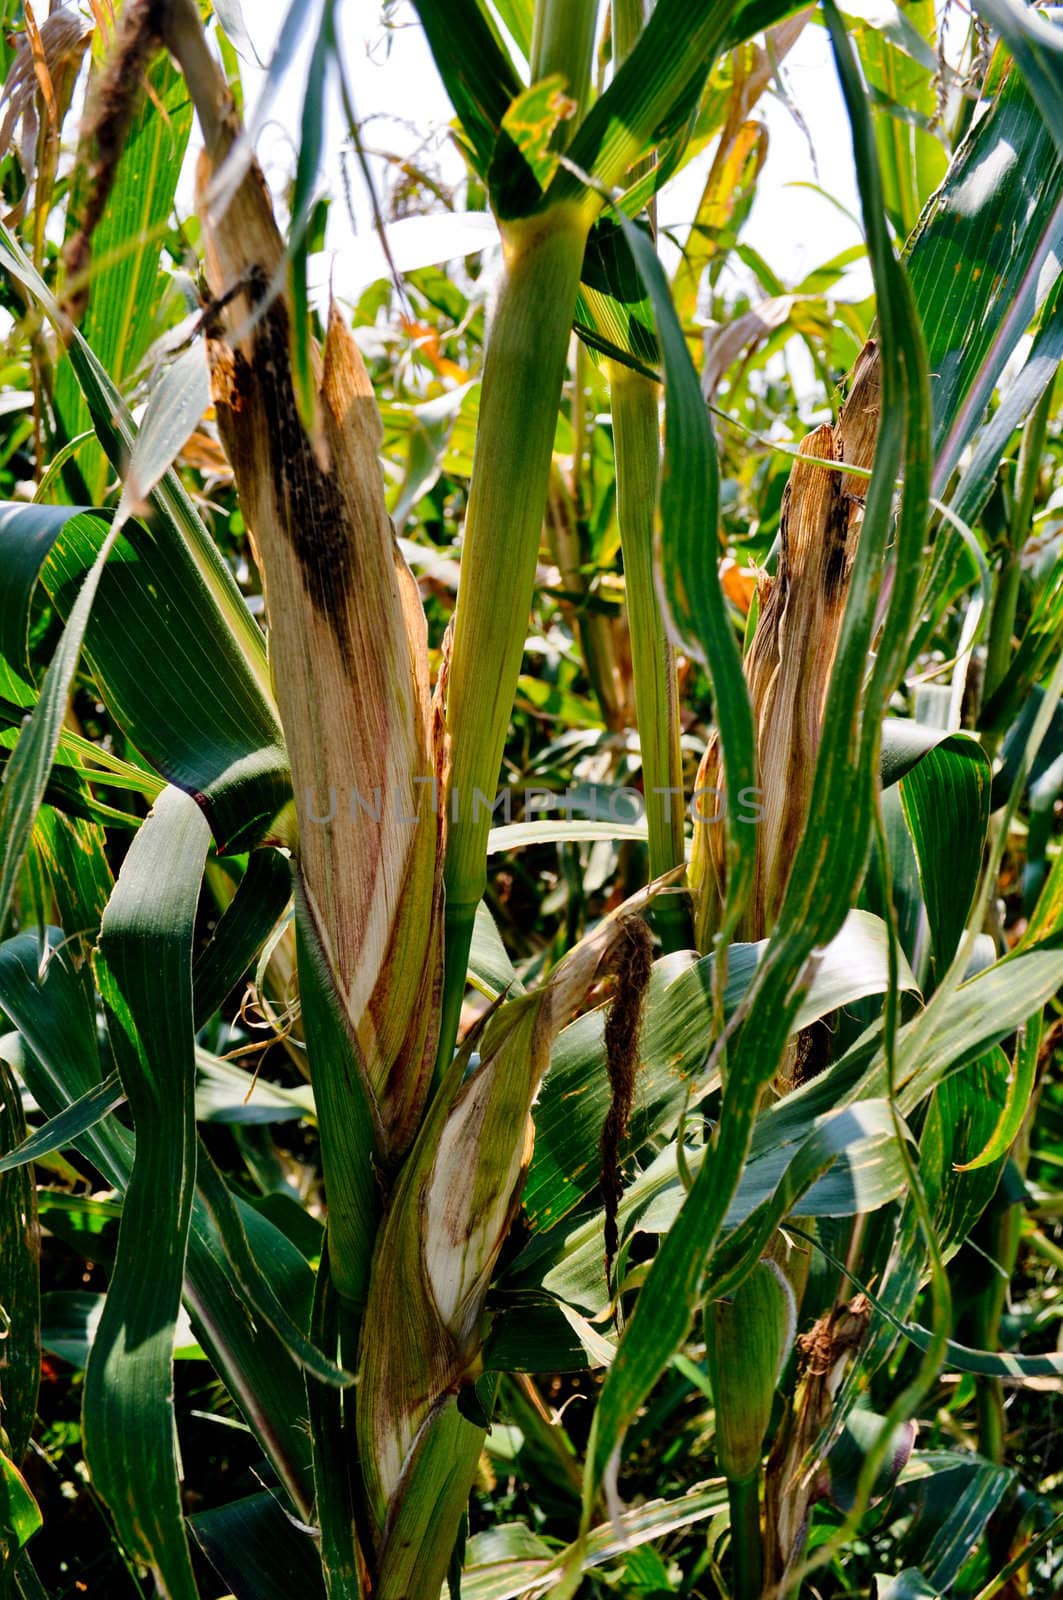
348,649
789,661
452,1209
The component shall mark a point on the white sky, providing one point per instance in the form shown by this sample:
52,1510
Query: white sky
399,97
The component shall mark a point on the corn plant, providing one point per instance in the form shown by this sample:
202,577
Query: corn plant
745,1152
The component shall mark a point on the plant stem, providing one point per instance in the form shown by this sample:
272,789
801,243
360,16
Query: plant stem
636,442
1002,621
563,41
746,1548
637,449
523,373
628,20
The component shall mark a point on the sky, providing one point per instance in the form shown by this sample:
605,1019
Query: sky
403,108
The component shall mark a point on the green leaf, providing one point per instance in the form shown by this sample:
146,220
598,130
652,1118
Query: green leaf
847,1454
522,835
243,928
978,1014
652,94
572,1107
982,260
477,75
1018,400
347,1119
490,968
949,1497
750,1338
255,1283
54,1012
144,970
179,567
907,1585
502,1565
518,17
61,1131
119,322
174,411
27,534
258,1551
689,503
1037,45
20,1515
26,774
946,800
226,1092
311,139
837,1163
163,659
20,1296
905,742
829,859
526,157
335,1487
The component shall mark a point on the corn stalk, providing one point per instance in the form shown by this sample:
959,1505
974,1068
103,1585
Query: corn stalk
347,631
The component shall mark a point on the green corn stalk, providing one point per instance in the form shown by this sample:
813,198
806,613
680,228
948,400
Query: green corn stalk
425,1151
636,444
524,368
347,628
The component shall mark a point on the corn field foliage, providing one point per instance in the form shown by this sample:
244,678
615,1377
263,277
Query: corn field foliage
531,966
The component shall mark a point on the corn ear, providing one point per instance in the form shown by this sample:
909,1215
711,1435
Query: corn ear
750,1336
349,651
452,1209
790,658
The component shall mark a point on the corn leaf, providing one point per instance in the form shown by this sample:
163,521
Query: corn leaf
826,854
20,1248
255,1280
144,969
478,77
27,534
118,323
946,800
1037,46
983,259
20,1516
572,1107
260,900
1016,403
689,502
258,1551
177,526
27,770
54,1013
509,1562
63,1130
165,671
